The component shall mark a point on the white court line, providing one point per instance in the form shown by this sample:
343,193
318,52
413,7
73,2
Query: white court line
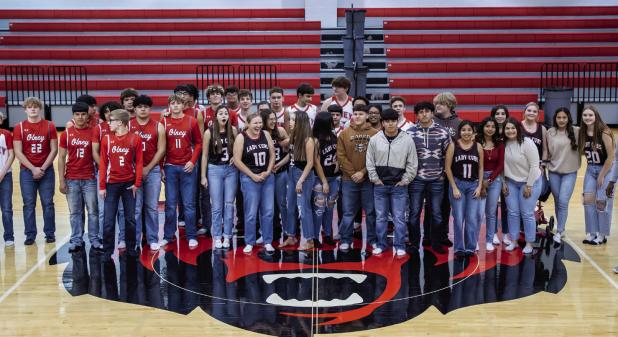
594,264
33,269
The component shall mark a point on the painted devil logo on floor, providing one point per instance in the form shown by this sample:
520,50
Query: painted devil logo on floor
325,291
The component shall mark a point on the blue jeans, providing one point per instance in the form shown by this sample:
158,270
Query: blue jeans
521,208
466,232
119,217
300,204
562,186
324,205
82,193
281,192
258,196
432,190
222,183
488,207
391,199
147,206
177,180
6,206
115,192
45,186
597,214
356,196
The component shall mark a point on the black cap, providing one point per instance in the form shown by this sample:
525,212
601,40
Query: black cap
80,107
87,99
389,115
142,100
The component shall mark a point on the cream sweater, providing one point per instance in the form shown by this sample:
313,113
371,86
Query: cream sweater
562,159
521,161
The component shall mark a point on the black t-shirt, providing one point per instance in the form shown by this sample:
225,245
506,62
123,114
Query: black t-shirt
222,158
466,163
328,158
279,154
536,137
255,153
596,156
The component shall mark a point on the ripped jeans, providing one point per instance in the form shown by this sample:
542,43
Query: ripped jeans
597,207
324,205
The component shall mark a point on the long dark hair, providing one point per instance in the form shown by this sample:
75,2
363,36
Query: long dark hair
599,128
323,128
569,126
480,134
274,133
300,135
108,106
518,128
215,133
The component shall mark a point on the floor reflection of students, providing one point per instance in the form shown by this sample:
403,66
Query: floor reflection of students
558,272
224,304
149,285
411,274
518,280
109,280
437,280
96,274
79,273
128,278
489,279
182,277
254,314
467,291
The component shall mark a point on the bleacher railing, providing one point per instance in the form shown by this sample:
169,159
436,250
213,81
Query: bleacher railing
591,82
258,78
53,85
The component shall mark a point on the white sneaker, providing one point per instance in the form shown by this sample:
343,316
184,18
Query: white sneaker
193,243
507,240
9,243
374,246
201,231
558,237
259,241
401,252
164,243
489,247
496,240
616,270
477,247
269,248
527,250
344,246
154,246
181,223
226,243
511,247
248,249
218,244
377,251
122,245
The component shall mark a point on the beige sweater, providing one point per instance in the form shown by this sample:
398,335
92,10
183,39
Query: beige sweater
562,159
521,161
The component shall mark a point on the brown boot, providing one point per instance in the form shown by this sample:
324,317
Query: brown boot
290,241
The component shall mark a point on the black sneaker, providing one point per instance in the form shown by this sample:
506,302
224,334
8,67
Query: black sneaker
438,249
29,242
317,243
447,242
50,240
329,241
75,249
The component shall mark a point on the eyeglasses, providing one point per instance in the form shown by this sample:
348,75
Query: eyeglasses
114,120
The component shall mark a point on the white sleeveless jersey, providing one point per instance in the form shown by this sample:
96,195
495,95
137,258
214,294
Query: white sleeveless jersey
4,150
310,109
347,107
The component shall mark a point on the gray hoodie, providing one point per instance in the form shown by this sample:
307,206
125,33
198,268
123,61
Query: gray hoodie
391,162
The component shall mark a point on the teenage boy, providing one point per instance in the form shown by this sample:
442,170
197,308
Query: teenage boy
341,87
183,147
152,135
119,178
246,100
391,165
127,96
214,94
357,189
304,95
35,143
76,178
399,104
6,182
191,94
335,112
231,99
93,116
431,141
360,101
276,105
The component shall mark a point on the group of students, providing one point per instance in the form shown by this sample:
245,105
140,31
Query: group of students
281,164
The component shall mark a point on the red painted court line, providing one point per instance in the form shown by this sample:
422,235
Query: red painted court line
85,26
539,23
153,13
488,11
